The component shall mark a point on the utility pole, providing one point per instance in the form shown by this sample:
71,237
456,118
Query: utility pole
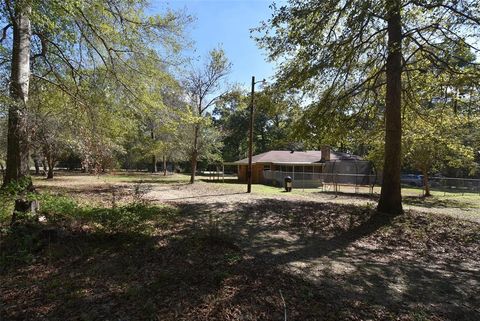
250,141
250,137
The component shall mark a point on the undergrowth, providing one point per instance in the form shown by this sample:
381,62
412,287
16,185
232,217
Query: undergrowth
60,216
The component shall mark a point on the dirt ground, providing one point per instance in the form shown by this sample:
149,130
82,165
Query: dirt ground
265,256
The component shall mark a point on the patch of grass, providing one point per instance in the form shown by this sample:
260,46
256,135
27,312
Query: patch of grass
60,216
136,218
6,210
58,208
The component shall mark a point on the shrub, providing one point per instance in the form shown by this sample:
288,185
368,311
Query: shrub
135,217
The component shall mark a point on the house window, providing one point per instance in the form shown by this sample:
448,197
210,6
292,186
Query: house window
266,167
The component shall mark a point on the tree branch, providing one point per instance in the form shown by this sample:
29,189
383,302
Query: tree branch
44,46
4,32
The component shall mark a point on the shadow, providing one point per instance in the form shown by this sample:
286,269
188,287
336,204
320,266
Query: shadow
253,261
433,202
405,263
157,181
194,277
318,228
200,196
368,196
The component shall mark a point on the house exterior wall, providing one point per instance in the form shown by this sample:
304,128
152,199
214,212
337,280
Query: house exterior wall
242,173
257,173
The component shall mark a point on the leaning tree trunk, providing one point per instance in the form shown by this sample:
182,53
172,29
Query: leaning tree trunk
17,136
391,199
194,154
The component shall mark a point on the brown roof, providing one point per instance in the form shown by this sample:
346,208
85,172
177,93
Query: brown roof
289,157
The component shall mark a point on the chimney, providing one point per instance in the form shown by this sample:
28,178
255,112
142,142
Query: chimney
325,153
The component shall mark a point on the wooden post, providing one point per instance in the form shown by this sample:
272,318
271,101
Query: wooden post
223,173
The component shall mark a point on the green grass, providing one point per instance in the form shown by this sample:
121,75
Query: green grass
412,196
20,242
135,217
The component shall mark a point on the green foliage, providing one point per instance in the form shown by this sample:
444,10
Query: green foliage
131,218
58,208
333,53
8,194
274,116
204,87
135,217
62,214
99,70
429,145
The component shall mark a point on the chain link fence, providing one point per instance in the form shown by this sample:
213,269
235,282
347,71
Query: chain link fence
365,183
454,185
325,181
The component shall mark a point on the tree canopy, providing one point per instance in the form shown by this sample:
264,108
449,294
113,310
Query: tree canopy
353,60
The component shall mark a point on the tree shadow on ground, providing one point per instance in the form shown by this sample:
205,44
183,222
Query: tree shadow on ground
251,261
159,181
373,197
434,202
195,277
399,263
229,180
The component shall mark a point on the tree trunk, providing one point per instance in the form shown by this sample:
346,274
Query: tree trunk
45,167
391,199
164,166
17,166
51,165
154,164
17,169
194,154
50,172
154,157
36,162
426,184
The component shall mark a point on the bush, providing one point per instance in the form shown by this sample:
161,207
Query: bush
58,208
135,217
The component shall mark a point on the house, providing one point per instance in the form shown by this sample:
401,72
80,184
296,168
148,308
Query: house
307,168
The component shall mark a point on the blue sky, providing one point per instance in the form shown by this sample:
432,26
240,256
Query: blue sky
227,23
